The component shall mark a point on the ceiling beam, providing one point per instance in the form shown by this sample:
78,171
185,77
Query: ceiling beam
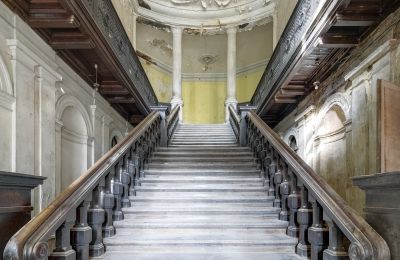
121,100
71,40
338,41
354,20
53,21
285,100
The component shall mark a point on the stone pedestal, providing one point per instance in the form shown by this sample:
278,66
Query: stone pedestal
382,207
15,203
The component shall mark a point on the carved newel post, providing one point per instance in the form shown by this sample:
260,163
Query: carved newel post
163,125
244,110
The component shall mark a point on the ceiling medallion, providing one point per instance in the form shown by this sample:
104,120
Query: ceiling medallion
206,60
204,3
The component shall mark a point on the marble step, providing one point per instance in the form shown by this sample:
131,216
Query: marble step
216,158
203,172
202,165
191,149
203,221
178,253
200,188
207,196
203,198
198,154
200,180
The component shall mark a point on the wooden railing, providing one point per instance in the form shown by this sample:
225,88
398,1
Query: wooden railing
83,213
326,226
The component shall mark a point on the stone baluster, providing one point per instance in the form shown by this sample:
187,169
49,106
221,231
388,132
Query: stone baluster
318,232
118,189
284,188
108,205
125,180
81,233
96,217
267,164
294,203
304,217
336,249
277,183
63,249
133,170
272,170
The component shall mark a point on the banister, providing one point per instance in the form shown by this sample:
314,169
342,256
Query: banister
30,242
290,178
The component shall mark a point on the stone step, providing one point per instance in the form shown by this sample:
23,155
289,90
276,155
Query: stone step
200,180
220,195
198,154
211,221
216,210
201,253
202,199
190,149
203,172
203,139
205,134
202,165
157,159
200,188
206,144
201,205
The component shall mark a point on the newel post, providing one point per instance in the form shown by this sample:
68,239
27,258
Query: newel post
163,125
244,110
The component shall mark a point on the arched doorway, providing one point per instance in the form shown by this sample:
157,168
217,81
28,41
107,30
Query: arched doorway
293,143
74,146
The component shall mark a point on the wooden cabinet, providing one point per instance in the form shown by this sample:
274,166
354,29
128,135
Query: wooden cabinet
15,203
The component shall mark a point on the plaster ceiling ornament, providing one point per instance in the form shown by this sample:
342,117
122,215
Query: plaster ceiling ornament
207,60
205,16
204,3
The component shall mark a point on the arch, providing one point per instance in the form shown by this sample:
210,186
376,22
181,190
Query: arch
74,140
293,143
115,133
66,101
339,100
5,79
292,132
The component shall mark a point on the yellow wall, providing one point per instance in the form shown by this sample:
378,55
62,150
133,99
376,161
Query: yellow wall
246,84
160,80
204,102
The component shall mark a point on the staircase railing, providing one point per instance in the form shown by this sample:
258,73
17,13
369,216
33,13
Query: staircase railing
172,121
84,213
326,226
234,120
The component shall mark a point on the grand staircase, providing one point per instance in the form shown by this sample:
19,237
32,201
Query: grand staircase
201,198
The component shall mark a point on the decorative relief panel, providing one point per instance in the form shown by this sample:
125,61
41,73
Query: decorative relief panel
204,3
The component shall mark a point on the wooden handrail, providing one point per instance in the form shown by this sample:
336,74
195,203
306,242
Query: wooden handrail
287,172
30,242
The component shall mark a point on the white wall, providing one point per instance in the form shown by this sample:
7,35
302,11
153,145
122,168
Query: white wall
36,88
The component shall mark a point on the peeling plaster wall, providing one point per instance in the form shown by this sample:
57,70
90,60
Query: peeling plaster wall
160,80
36,87
353,89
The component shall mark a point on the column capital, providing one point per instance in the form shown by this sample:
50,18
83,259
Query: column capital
177,30
231,30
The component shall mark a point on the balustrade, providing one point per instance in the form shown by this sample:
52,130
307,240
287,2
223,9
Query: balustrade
83,214
326,227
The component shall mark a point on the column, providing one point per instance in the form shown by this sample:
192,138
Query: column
177,69
231,73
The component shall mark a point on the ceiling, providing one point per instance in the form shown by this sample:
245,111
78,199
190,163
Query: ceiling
208,16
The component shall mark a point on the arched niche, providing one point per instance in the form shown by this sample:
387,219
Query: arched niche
115,137
74,147
292,142
330,143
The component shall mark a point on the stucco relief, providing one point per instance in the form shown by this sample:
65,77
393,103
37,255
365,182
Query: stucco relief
338,99
204,3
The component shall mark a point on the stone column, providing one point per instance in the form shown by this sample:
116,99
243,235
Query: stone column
231,72
177,69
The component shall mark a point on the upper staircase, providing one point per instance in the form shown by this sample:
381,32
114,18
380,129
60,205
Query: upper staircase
203,197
